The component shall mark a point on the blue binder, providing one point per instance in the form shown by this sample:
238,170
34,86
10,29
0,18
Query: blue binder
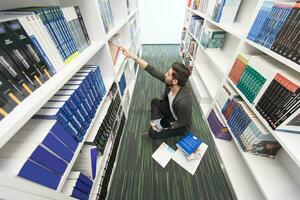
66,137
79,194
40,175
58,147
49,161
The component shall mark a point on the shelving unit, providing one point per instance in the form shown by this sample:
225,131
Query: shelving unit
97,53
248,174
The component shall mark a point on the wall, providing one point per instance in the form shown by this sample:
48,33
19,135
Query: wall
161,21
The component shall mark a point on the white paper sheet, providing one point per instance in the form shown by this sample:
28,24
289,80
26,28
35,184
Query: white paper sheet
189,165
163,154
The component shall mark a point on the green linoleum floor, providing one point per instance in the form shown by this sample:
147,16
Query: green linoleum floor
137,175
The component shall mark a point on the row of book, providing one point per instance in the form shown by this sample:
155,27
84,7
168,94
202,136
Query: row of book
225,11
212,37
78,185
107,125
248,130
106,14
40,152
190,45
76,103
122,84
108,170
196,26
209,36
29,49
200,5
276,27
271,87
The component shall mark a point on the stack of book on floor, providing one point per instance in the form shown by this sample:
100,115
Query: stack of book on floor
190,146
276,27
78,185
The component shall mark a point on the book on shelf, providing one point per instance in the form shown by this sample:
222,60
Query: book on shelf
10,45
115,47
40,152
238,68
250,133
196,26
212,37
217,127
200,5
106,14
224,93
122,83
75,27
276,27
77,185
86,161
226,10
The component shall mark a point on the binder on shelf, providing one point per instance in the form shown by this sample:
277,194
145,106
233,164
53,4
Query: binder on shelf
22,39
74,175
86,161
17,54
9,94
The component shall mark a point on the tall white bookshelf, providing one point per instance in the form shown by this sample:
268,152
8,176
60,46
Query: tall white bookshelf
250,176
98,53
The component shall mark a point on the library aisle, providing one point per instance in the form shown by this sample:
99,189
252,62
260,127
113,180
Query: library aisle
136,174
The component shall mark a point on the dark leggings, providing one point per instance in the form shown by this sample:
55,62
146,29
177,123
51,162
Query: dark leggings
160,110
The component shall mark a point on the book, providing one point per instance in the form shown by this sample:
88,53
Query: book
226,11
198,153
212,37
217,127
189,143
238,67
163,154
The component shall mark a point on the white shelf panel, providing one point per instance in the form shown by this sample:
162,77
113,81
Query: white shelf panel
234,28
209,78
205,97
94,126
266,171
205,107
290,142
116,28
238,173
278,57
218,57
29,106
119,25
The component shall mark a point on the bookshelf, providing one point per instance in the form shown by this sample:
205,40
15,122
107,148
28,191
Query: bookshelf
211,71
97,53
